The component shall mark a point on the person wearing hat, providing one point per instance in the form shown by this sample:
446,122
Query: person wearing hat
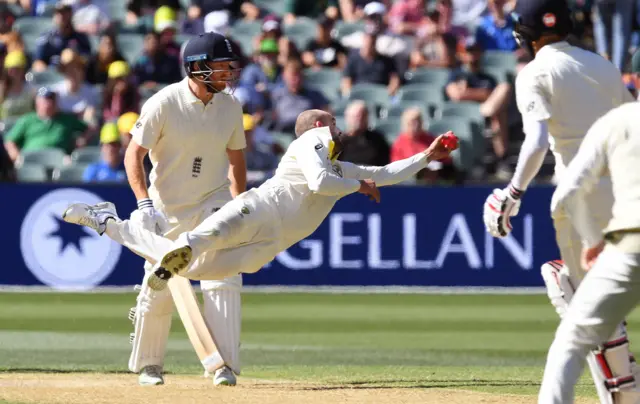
264,74
51,44
272,29
165,24
560,94
323,50
237,9
45,128
125,124
98,64
353,10
75,95
120,94
155,65
192,130
110,168
89,17
16,96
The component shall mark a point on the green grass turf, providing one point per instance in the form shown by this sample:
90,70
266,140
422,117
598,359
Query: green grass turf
494,343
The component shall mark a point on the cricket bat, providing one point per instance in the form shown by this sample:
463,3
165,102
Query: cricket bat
189,310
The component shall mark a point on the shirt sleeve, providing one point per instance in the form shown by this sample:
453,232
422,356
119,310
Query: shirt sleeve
42,49
148,128
394,173
532,152
16,134
534,101
582,174
89,173
237,141
312,158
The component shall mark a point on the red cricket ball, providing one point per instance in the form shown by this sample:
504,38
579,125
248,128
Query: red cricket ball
450,141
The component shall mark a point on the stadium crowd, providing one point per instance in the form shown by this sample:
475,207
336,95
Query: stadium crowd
75,74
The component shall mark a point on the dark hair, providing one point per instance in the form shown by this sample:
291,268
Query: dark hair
130,96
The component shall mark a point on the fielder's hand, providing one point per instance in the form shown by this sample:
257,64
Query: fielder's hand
149,218
441,147
498,208
369,188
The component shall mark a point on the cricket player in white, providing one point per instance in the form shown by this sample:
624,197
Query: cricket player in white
195,138
560,94
611,288
251,230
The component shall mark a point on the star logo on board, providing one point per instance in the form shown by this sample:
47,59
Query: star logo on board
69,234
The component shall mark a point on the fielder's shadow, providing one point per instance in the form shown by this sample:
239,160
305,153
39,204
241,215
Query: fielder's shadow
426,384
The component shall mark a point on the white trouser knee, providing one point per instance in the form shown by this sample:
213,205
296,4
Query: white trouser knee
152,322
222,313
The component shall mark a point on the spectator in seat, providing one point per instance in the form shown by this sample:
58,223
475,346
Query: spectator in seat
612,24
467,13
495,31
363,146
309,9
89,17
110,168
75,95
155,65
16,97
405,16
218,21
261,162
120,94
272,29
435,48
324,51
353,10
414,139
138,10
366,65
293,98
46,127
265,73
165,24
237,9
470,84
98,65
63,36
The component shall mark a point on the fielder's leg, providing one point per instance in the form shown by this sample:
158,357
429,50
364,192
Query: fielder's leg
607,294
152,322
222,313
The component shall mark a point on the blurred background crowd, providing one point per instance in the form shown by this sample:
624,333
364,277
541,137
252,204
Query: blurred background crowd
395,73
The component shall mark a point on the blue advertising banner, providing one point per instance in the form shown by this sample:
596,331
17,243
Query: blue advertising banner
415,237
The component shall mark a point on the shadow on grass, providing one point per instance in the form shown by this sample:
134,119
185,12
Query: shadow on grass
426,384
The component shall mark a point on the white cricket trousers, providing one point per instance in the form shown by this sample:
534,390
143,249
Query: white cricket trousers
241,237
606,295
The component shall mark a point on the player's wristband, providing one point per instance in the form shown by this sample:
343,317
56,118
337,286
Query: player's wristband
145,203
515,193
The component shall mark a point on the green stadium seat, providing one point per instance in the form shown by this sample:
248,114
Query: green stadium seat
30,43
131,46
282,138
49,158
396,110
46,78
343,29
301,32
341,122
242,27
86,155
72,173
33,25
117,9
273,6
468,110
433,76
246,43
501,59
32,173
182,38
327,81
499,74
390,128
372,94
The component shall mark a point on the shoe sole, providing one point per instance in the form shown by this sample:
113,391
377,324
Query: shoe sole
172,263
223,383
158,383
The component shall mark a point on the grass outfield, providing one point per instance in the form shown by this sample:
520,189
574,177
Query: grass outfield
487,343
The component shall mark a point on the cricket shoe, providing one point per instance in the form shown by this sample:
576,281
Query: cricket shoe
151,376
93,216
172,263
224,377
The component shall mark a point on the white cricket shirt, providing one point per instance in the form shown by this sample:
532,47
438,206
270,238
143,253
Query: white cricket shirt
188,144
570,88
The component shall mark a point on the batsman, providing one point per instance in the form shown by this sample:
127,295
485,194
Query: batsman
194,136
560,94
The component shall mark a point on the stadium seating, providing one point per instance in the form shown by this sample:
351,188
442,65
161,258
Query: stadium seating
46,78
390,127
282,138
72,173
35,26
467,110
242,27
372,94
325,80
471,144
343,29
273,6
131,46
32,173
435,77
301,32
499,59
396,110
86,155
117,9
49,158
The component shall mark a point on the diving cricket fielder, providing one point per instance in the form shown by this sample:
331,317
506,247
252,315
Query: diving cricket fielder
194,135
560,94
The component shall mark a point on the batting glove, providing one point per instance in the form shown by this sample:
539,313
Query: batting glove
148,217
499,207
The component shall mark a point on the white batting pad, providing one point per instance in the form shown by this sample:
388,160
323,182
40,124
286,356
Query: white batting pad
152,323
223,317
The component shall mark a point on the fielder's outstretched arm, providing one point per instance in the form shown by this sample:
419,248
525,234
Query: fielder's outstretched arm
393,173
581,175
